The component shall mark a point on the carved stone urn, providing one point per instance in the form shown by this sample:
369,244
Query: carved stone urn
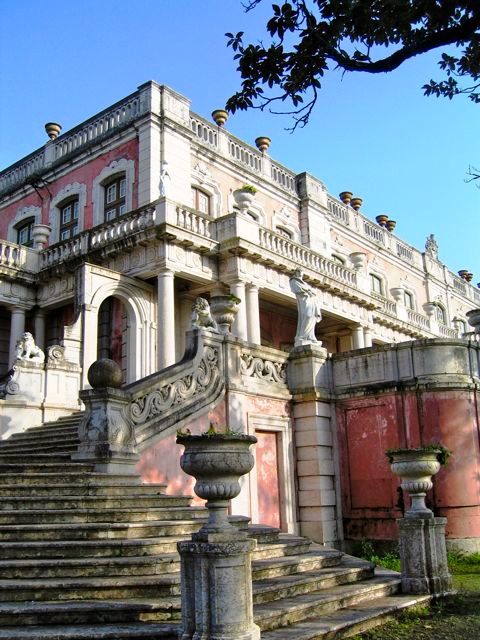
244,197
473,317
262,143
224,308
220,116
382,219
416,468
345,196
217,462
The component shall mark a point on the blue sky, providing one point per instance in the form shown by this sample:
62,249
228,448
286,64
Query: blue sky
378,136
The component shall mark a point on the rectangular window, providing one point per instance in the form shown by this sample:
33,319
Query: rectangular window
111,193
115,198
409,300
68,219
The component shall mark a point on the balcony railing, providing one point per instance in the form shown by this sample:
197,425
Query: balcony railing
15,256
305,257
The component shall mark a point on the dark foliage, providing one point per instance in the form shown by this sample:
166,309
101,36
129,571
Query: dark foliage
309,38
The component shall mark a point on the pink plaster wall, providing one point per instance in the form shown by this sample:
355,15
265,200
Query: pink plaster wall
84,174
160,463
369,426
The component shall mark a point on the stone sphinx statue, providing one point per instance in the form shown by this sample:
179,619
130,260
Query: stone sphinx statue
202,316
27,350
309,312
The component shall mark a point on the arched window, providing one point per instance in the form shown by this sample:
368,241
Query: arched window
440,314
68,218
376,284
201,201
24,231
284,232
115,191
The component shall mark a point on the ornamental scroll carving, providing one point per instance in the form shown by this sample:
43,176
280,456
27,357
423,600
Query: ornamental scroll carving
267,370
160,400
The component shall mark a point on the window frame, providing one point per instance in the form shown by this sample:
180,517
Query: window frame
25,223
197,194
374,278
118,204
72,226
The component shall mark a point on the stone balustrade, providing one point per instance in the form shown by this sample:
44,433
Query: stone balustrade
305,257
18,257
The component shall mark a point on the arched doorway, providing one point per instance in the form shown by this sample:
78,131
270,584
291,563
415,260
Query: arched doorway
112,333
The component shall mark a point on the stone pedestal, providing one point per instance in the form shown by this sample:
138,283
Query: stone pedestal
423,556
216,564
217,588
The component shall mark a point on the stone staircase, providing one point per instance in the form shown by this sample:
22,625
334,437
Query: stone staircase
85,555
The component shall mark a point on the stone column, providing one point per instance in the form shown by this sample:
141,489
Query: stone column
253,314
239,326
17,328
357,337
40,328
166,319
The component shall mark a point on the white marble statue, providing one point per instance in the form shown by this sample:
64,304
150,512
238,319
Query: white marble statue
309,312
27,350
202,316
164,179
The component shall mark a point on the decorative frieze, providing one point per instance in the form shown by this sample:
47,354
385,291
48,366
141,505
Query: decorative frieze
267,370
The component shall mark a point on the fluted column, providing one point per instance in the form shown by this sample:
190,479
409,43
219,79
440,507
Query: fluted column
357,337
17,328
253,314
166,319
239,326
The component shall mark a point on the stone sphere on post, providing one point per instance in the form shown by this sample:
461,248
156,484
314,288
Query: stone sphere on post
105,373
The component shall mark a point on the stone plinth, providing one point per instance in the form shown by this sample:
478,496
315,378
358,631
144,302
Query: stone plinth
423,556
217,588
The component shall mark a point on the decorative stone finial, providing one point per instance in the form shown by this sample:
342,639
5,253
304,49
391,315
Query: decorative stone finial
220,116
53,129
262,142
391,224
382,219
356,203
345,196
105,373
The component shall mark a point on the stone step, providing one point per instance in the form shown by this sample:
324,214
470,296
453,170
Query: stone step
291,564
348,621
38,458
52,504
61,589
101,548
23,465
148,564
137,631
305,581
99,530
40,435
80,516
35,449
90,567
73,489
81,612
290,610
80,478
283,546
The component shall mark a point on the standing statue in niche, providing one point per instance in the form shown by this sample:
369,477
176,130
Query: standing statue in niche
309,312
164,179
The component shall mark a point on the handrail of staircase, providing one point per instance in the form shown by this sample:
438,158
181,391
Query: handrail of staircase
118,422
180,391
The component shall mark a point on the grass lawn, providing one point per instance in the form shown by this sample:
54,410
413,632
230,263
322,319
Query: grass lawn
454,618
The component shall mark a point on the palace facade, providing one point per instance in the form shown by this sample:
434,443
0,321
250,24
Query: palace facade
109,233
